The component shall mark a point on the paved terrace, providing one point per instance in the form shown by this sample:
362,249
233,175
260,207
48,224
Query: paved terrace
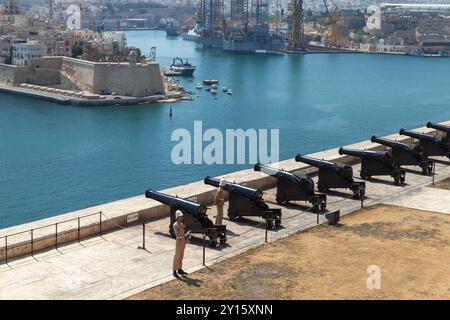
111,266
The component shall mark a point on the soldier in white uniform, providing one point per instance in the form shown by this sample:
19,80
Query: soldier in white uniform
179,229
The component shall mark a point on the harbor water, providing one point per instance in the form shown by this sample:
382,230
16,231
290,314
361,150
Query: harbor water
56,158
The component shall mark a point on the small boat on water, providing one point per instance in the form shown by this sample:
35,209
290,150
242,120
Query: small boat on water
208,89
224,89
210,82
213,91
230,91
184,68
199,86
214,87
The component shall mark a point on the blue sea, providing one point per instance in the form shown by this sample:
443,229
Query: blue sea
55,159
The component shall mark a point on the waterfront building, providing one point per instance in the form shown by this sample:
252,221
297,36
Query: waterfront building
24,52
117,37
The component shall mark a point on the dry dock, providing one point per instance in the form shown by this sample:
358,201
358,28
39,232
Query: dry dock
112,267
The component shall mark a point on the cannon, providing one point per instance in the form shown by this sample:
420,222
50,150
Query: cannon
440,127
247,202
407,154
376,163
291,187
431,145
195,217
333,175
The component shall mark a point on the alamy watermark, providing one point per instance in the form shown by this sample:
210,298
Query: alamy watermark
234,146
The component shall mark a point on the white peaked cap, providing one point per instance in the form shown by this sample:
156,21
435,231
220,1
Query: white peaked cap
178,214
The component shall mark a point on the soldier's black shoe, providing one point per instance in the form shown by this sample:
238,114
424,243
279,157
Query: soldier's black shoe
182,272
175,274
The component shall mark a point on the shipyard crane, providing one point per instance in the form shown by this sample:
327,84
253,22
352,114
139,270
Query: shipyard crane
212,13
332,37
296,38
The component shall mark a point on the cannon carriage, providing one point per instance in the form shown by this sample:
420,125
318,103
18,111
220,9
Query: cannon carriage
247,202
432,145
335,176
376,163
406,154
195,217
292,187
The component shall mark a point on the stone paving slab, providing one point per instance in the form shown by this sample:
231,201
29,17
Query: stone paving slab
111,267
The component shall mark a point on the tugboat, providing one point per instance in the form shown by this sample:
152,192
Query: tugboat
184,68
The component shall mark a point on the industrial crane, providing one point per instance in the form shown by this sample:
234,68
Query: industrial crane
296,38
332,37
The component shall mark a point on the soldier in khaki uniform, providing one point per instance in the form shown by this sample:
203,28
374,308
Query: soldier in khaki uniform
180,232
219,201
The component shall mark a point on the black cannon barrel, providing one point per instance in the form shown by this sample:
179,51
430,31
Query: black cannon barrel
362,153
188,206
387,142
270,171
279,174
250,193
418,135
439,127
314,162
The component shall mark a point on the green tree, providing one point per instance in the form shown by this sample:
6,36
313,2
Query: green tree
77,50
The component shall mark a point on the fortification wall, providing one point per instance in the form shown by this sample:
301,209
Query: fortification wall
128,80
95,77
80,73
40,71
7,73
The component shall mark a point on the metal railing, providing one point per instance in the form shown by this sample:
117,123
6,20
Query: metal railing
33,240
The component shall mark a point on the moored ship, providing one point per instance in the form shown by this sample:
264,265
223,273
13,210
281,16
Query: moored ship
184,68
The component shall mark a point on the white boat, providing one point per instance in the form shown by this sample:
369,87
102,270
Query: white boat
224,89
214,87
192,34
230,91
199,86
213,91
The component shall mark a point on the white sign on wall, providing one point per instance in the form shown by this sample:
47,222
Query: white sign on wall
132,217
73,17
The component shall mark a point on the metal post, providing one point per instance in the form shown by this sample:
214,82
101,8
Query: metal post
6,249
143,235
267,228
318,217
56,235
434,170
204,249
32,243
100,224
78,229
362,199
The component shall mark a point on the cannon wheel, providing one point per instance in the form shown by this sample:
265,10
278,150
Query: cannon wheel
397,181
213,243
223,238
280,201
278,223
316,207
